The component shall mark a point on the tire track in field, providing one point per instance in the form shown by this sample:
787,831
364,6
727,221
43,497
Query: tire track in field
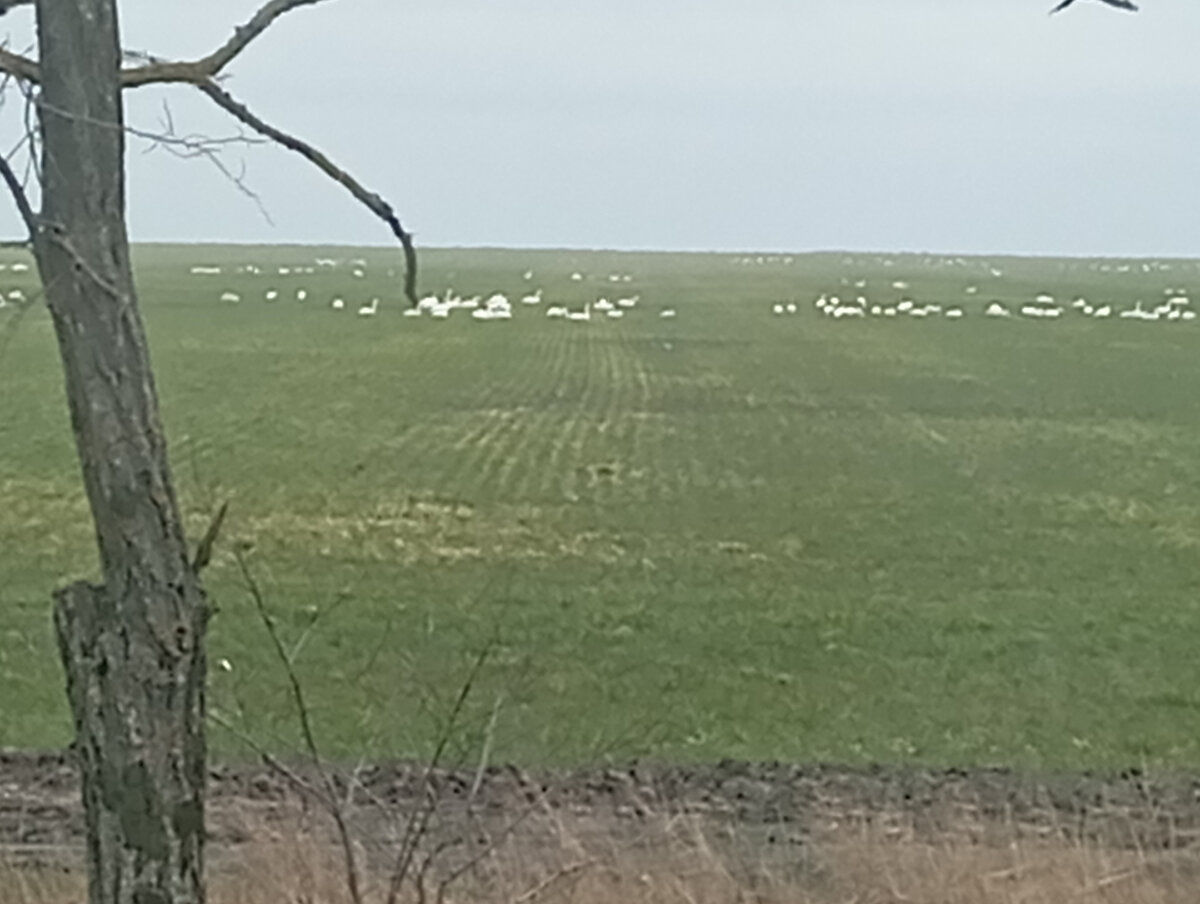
561,477
534,481
402,428
617,419
463,475
489,455
524,391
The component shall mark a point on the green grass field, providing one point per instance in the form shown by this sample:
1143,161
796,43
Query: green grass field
725,534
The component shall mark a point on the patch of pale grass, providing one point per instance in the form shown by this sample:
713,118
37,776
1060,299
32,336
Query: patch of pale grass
676,861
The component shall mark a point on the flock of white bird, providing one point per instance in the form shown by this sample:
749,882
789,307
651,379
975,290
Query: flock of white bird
1176,306
849,303
496,306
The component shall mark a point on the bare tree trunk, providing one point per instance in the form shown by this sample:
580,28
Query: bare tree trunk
132,647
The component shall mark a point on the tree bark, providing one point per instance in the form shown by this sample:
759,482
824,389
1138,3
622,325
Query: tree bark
132,646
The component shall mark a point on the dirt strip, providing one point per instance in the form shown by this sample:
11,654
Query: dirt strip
764,803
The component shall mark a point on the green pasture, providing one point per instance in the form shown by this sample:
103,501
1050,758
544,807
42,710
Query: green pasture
726,534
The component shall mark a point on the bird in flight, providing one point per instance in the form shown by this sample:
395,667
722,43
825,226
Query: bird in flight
1119,4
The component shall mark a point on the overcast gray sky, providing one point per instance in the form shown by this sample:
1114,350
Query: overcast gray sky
966,125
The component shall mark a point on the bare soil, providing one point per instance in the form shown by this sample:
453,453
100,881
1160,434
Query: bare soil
758,803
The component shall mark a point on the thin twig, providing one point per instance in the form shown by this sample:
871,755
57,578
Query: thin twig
20,198
205,550
489,734
353,885
418,822
294,778
57,235
538,890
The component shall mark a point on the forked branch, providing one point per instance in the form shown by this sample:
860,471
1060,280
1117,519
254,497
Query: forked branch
369,199
202,73
161,71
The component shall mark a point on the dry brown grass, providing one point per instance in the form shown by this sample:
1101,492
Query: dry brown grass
679,861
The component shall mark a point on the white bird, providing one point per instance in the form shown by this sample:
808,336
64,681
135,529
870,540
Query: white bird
585,314
230,296
616,314
337,304
995,309
369,310
629,302
556,311
528,274
790,307
603,304
271,295
301,294
533,298
359,273
777,309
1103,312
412,312
954,313
577,277
667,313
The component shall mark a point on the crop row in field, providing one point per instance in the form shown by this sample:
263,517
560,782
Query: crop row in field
726,533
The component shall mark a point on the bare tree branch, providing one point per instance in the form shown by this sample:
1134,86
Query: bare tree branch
161,71
166,71
18,65
353,879
19,197
202,72
369,199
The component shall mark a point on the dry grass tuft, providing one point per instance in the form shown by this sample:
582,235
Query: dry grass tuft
680,861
